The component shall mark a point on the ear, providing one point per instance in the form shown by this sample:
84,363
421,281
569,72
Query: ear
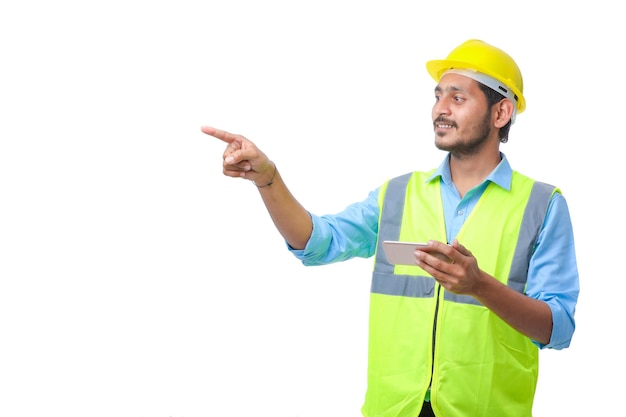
503,112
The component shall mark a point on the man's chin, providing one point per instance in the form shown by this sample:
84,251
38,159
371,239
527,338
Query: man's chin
442,144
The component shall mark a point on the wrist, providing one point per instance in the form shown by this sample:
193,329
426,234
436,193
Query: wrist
268,182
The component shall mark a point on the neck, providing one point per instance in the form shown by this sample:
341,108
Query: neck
468,171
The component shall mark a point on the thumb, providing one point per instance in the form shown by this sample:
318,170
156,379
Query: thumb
464,251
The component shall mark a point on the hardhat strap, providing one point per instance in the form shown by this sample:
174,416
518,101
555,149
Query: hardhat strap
489,82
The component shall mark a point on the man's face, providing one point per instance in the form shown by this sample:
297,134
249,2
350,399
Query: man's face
461,119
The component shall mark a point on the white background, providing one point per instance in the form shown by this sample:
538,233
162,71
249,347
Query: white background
138,281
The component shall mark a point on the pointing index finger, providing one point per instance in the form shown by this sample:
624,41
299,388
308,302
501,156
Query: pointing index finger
217,133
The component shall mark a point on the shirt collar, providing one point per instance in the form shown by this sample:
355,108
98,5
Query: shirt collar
501,175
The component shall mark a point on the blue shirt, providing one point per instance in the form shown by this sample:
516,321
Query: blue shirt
552,272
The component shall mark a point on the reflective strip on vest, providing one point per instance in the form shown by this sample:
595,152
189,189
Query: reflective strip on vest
423,286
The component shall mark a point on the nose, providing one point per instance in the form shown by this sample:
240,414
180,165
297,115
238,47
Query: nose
440,108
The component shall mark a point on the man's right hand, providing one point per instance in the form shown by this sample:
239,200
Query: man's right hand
242,159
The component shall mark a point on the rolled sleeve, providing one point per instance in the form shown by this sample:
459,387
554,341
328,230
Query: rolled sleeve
553,273
350,233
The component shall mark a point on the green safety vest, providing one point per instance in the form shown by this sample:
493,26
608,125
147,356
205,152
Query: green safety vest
426,340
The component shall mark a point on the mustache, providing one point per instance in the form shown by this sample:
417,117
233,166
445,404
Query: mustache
443,120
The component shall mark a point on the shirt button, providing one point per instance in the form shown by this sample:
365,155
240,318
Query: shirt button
460,212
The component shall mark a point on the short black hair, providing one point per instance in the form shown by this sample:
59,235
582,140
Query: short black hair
494,97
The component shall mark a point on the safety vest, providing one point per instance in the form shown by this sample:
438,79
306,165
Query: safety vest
422,337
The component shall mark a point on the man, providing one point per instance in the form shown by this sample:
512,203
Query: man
455,336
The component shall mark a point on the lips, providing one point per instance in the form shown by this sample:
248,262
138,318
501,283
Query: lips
443,124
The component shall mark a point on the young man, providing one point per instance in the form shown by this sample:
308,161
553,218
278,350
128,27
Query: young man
455,336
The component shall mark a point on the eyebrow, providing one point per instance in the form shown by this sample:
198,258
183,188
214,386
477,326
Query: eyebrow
438,89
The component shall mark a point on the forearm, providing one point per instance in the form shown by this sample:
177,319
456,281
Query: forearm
290,218
528,316
242,159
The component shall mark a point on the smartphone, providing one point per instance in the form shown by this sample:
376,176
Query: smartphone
403,253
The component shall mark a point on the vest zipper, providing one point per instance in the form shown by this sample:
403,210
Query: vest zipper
432,365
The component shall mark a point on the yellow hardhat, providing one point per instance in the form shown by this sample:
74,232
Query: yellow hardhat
476,55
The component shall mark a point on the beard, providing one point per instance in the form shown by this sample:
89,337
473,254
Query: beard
469,143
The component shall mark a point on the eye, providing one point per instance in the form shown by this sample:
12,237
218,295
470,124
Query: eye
458,99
